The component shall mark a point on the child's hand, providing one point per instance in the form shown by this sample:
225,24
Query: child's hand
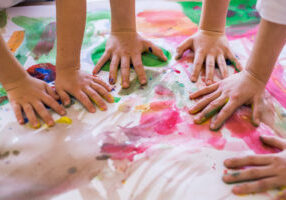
209,48
225,96
262,172
30,95
125,49
84,87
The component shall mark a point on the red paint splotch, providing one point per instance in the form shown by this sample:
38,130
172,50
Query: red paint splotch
203,132
277,85
122,151
163,91
162,116
43,71
47,41
241,127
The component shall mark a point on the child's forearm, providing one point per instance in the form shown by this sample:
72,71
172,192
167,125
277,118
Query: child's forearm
268,45
71,19
10,69
214,15
123,16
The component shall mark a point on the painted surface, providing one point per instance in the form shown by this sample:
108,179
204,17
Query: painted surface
146,146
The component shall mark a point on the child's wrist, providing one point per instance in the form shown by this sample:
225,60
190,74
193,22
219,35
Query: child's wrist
211,33
16,83
256,77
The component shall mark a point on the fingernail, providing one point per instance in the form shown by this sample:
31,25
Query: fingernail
125,85
200,121
193,78
51,123
191,111
92,110
102,108
143,82
111,81
111,98
236,190
36,126
209,82
63,112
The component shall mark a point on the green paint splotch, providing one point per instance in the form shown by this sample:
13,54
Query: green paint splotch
40,37
148,59
3,96
3,18
239,12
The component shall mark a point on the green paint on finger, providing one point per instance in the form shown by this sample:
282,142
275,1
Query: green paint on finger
148,59
213,112
3,18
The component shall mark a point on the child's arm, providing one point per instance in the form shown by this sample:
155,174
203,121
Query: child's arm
125,45
210,44
71,19
25,93
246,86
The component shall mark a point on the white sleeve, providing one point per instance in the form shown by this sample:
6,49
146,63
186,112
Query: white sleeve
272,10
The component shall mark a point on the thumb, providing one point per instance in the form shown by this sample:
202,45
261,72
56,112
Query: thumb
187,44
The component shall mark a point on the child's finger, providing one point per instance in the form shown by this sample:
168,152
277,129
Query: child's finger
235,61
204,91
30,113
256,113
224,114
103,92
251,160
125,71
49,101
113,69
210,67
139,69
187,44
101,62
156,51
204,102
256,186
198,63
273,141
249,174
222,65
96,98
83,98
52,92
18,112
101,82
43,113
212,109
64,97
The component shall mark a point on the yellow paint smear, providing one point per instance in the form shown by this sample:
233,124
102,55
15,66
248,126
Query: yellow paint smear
64,120
16,40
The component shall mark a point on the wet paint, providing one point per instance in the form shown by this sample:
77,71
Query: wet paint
16,40
148,59
116,99
64,120
239,12
122,151
43,71
241,127
163,91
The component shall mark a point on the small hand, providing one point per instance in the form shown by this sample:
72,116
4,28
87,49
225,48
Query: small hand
31,95
124,48
261,172
225,96
84,87
209,48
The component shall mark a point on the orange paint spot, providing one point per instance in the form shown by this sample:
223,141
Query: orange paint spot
16,40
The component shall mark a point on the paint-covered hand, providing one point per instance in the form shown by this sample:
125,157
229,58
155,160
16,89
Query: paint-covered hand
28,96
225,96
125,49
209,48
84,87
259,172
